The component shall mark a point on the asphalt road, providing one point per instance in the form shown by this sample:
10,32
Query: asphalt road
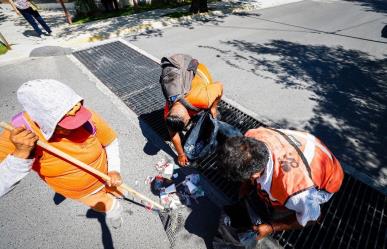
319,66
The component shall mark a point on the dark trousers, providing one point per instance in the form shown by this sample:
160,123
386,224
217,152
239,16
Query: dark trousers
31,15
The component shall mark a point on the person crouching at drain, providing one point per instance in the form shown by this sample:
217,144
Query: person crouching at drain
291,174
188,89
55,114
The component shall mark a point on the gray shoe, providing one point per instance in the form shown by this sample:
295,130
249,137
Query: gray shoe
114,215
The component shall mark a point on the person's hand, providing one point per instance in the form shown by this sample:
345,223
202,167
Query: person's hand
182,160
115,179
263,230
17,12
24,141
213,112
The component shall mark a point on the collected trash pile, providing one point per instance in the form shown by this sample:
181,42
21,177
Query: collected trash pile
173,193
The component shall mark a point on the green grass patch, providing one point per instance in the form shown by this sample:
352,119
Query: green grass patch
3,48
129,10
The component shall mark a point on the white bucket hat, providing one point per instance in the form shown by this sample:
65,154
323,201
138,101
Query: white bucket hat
47,101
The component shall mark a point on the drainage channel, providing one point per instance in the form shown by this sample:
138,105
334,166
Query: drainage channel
354,218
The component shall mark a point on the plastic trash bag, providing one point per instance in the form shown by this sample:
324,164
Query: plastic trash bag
235,228
203,136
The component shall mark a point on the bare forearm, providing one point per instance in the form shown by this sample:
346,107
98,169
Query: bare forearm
288,223
176,140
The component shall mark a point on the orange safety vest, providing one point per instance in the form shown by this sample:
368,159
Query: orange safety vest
290,174
203,91
62,176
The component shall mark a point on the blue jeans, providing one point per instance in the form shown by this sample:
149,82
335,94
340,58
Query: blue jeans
31,15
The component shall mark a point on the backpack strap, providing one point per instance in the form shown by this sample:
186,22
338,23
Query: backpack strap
299,152
188,105
202,76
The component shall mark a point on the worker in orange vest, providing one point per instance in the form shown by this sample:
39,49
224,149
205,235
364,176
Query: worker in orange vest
293,172
202,93
55,114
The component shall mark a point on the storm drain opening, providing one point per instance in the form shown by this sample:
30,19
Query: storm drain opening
355,217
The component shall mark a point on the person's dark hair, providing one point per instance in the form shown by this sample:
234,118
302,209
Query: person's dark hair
174,123
240,157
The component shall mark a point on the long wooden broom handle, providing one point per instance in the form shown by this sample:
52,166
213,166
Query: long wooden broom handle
86,167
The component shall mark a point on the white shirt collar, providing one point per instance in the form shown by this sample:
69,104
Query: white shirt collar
266,177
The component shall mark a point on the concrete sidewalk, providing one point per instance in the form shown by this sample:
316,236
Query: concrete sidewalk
23,40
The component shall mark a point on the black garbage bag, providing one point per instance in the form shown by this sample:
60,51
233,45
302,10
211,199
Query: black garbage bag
203,136
235,228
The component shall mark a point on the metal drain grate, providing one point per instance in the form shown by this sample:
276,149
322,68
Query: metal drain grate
354,218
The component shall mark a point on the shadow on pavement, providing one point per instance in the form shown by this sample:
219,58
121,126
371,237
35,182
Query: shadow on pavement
372,5
203,220
319,31
349,89
30,33
107,240
156,134
3,17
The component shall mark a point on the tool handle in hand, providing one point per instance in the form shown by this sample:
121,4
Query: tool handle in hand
84,166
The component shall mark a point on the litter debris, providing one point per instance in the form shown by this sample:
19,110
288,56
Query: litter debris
170,189
248,239
168,171
149,180
193,178
136,183
191,187
199,192
175,201
164,198
176,193
161,164
227,221
158,182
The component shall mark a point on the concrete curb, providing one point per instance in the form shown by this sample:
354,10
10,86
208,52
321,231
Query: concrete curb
152,20
164,22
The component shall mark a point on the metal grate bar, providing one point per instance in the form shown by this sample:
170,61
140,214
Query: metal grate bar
354,218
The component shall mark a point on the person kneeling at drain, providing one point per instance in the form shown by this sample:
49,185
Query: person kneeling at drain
292,173
188,89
